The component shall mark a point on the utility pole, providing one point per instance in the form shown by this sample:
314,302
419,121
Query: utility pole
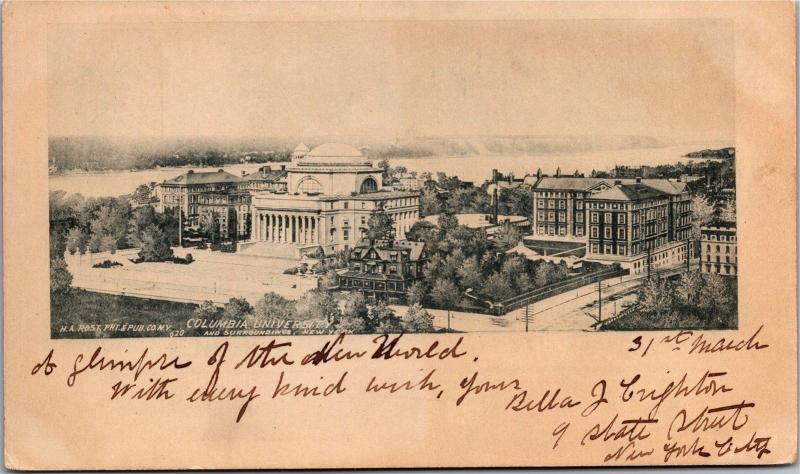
180,226
688,243
599,301
527,306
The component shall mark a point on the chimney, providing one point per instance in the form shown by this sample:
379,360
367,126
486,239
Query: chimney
190,172
244,173
558,172
283,167
494,176
638,179
618,182
539,173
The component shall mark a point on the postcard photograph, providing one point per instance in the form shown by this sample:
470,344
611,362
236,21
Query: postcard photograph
391,177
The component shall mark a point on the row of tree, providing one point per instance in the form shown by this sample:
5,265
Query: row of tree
693,301
341,314
463,259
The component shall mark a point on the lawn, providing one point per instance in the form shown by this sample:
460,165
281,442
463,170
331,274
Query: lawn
83,314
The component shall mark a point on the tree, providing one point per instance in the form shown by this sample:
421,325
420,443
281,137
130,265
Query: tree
470,274
655,297
417,319
688,288
498,287
702,213
354,317
384,320
273,305
445,294
422,231
714,296
386,170
209,226
543,274
206,310
237,309
108,244
380,226
447,222
417,293
60,277
318,305
76,241
508,237
429,203
154,245
143,194
141,218
728,212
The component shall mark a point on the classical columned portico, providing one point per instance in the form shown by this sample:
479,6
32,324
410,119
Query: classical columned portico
287,228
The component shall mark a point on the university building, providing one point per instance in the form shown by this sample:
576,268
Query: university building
635,222
331,192
632,224
322,199
718,249
229,211
213,194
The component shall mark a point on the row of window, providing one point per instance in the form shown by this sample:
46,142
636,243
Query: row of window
609,249
608,232
727,248
722,237
380,286
721,269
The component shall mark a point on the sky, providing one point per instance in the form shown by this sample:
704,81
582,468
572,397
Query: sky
664,78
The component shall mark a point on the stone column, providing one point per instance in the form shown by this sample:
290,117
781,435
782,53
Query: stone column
254,235
302,227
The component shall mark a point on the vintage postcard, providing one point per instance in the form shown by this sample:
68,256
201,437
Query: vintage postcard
340,235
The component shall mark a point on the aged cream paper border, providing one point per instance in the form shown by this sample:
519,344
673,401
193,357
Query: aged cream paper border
51,426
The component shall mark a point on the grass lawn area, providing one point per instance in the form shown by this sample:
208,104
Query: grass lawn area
84,314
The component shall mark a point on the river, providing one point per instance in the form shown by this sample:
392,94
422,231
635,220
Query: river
476,168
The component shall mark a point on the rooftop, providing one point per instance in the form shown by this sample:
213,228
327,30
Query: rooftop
265,175
334,154
629,192
204,177
571,183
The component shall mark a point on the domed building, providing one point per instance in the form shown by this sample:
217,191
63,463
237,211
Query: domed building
331,192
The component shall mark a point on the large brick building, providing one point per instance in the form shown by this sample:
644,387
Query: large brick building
619,220
216,193
632,224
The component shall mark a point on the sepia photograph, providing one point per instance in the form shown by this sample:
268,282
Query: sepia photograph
457,177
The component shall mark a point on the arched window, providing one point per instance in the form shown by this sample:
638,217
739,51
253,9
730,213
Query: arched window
369,185
309,185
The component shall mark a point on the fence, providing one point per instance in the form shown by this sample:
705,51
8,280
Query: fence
539,294
600,324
